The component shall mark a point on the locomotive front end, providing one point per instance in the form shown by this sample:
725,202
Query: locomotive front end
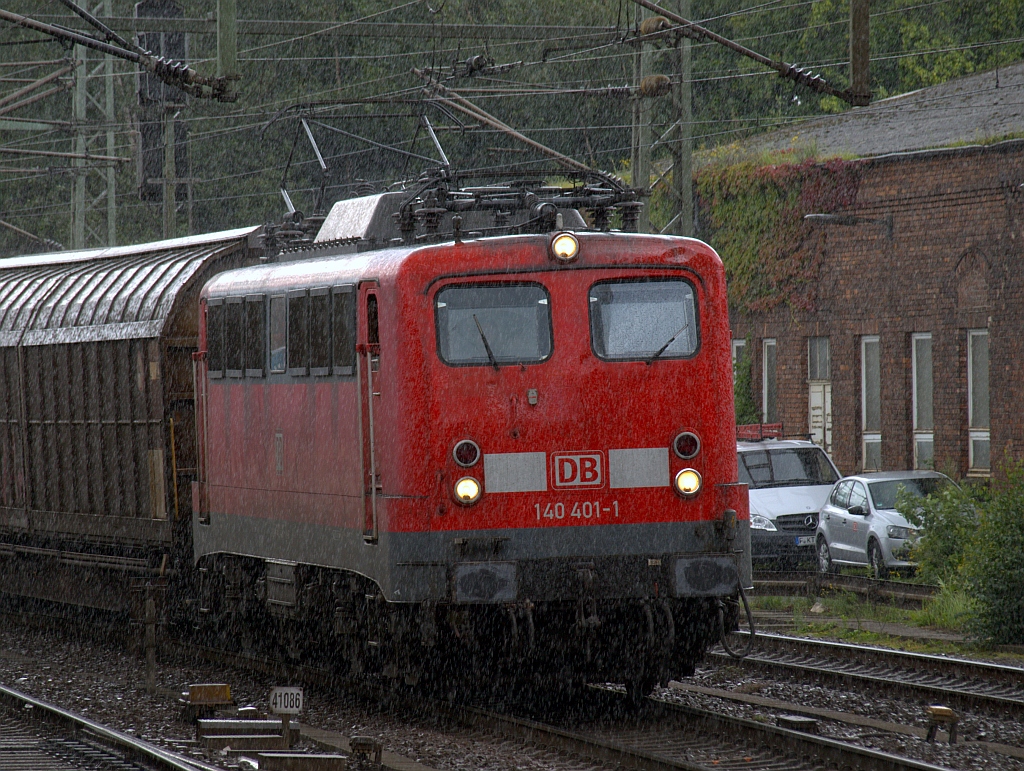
581,422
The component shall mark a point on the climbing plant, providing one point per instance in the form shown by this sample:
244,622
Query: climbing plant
753,215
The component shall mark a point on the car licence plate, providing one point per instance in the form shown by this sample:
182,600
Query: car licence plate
805,540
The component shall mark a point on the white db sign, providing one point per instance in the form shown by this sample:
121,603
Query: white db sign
286,701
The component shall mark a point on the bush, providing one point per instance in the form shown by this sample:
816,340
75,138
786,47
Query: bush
993,565
949,520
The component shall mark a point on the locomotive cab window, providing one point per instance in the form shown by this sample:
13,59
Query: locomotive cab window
255,335
493,324
278,334
643,320
234,333
215,338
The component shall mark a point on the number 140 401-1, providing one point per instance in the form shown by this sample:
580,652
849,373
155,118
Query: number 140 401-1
585,510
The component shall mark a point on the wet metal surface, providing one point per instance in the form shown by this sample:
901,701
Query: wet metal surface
951,680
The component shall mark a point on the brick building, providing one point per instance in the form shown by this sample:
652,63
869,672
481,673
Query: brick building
914,352
912,355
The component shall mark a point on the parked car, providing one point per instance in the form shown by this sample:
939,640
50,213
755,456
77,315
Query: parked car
789,481
859,524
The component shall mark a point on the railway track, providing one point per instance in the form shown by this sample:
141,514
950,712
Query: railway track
36,736
813,584
661,735
667,736
955,682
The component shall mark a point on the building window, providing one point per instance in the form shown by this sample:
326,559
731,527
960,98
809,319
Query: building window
769,381
924,426
818,364
977,399
871,403
739,350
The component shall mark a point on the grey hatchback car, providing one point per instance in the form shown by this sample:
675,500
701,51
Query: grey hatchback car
859,524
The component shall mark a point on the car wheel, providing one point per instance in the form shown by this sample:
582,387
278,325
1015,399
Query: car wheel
877,561
825,563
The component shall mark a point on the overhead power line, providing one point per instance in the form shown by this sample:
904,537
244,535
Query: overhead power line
790,72
177,74
451,99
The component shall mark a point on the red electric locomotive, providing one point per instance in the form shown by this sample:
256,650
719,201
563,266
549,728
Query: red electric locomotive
496,453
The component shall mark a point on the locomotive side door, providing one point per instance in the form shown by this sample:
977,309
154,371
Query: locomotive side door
368,369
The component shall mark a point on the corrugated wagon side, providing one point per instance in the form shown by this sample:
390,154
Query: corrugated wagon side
97,428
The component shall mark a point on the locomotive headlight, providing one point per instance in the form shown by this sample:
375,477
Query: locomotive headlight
687,483
565,247
467,491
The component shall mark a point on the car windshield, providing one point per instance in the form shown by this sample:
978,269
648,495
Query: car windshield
495,324
638,320
884,493
790,467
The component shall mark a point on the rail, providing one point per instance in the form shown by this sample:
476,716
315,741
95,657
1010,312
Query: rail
151,754
960,682
674,736
812,584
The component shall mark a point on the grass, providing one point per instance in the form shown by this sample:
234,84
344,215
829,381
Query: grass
949,609
946,612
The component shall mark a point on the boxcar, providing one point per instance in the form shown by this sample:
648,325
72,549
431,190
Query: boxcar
97,424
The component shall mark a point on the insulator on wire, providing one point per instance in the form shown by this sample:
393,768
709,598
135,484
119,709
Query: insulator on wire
655,85
654,24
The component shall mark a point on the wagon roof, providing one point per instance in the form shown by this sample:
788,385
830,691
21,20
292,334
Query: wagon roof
102,294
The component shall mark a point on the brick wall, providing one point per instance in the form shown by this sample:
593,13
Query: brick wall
953,263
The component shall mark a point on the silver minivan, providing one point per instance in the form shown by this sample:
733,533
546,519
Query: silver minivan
789,481
859,524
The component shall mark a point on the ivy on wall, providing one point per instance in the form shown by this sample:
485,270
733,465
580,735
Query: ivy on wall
753,215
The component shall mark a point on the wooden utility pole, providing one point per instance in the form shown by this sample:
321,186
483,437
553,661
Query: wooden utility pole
170,182
682,142
227,46
640,156
860,59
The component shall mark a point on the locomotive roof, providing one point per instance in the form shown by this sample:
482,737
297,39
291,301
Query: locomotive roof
103,294
329,269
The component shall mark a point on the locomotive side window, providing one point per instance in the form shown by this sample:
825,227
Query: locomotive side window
298,333
255,335
343,321
215,338
278,334
493,324
233,336
643,320
319,332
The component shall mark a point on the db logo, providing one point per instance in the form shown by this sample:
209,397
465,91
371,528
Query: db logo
580,469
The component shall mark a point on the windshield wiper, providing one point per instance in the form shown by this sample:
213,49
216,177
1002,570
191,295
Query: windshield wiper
666,345
487,346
